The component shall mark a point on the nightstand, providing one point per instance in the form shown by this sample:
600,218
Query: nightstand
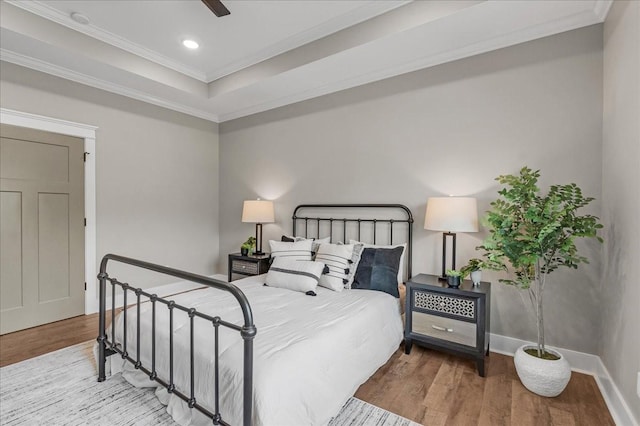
454,320
248,265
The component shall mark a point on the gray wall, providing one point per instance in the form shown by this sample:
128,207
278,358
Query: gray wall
620,349
446,130
157,171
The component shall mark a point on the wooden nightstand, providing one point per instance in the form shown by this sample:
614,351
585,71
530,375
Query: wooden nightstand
454,320
248,265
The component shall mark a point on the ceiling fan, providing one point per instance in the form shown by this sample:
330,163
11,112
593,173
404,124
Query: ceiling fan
217,7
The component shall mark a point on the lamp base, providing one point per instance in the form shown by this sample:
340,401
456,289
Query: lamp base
444,253
442,278
258,253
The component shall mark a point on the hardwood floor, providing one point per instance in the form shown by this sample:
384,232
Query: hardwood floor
427,386
434,388
32,342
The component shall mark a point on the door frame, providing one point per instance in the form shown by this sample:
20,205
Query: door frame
88,133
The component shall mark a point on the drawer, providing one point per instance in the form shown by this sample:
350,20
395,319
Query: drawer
244,267
448,329
450,305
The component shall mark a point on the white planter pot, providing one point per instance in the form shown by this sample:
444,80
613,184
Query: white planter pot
541,376
476,276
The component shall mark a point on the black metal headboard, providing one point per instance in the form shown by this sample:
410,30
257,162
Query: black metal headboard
370,223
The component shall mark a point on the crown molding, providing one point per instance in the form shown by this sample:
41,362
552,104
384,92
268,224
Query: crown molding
51,14
354,17
601,9
62,72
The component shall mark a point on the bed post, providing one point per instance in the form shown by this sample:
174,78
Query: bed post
248,333
102,338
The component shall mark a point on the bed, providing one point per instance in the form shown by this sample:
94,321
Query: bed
245,353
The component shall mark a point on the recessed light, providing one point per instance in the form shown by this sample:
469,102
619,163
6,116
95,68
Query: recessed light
190,44
80,18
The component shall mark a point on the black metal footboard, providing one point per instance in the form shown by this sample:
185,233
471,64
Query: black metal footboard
107,348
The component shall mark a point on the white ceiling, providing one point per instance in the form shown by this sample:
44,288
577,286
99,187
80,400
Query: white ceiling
266,53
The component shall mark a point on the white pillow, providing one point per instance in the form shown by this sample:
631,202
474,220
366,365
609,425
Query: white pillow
353,267
296,275
300,250
337,257
404,250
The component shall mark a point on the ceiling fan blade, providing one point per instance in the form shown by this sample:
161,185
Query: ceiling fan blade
217,7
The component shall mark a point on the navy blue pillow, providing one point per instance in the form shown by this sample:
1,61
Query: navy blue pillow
378,270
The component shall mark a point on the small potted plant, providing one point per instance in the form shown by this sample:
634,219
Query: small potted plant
473,268
453,278
248,246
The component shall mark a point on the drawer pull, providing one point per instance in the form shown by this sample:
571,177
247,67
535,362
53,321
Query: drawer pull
437,327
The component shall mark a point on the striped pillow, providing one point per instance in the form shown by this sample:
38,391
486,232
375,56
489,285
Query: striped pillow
296,275
337,257
299,250
353,267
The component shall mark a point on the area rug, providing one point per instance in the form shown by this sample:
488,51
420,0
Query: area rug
60,388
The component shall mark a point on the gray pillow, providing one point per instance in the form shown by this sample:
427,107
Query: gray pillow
378,270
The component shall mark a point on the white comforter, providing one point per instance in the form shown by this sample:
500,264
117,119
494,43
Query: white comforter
310,353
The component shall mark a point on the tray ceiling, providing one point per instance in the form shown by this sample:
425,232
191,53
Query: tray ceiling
265,54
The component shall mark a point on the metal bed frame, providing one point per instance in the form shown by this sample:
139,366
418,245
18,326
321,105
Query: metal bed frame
343,223
247,331
107,348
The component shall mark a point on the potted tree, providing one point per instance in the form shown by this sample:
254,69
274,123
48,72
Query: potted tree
535,234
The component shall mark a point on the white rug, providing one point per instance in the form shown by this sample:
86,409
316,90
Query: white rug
60,388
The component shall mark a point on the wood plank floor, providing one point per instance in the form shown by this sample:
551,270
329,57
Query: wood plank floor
32,342
426,386
434,388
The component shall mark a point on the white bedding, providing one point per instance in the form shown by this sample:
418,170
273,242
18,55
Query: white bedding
310,353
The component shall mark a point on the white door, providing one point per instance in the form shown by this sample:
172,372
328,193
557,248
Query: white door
41,227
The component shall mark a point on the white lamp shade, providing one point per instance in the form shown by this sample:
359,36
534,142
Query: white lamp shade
258,211
452,214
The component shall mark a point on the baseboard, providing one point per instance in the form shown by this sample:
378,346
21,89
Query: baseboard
582,363
618,407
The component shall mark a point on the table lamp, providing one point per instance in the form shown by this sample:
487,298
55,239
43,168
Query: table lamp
258,212
451,215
